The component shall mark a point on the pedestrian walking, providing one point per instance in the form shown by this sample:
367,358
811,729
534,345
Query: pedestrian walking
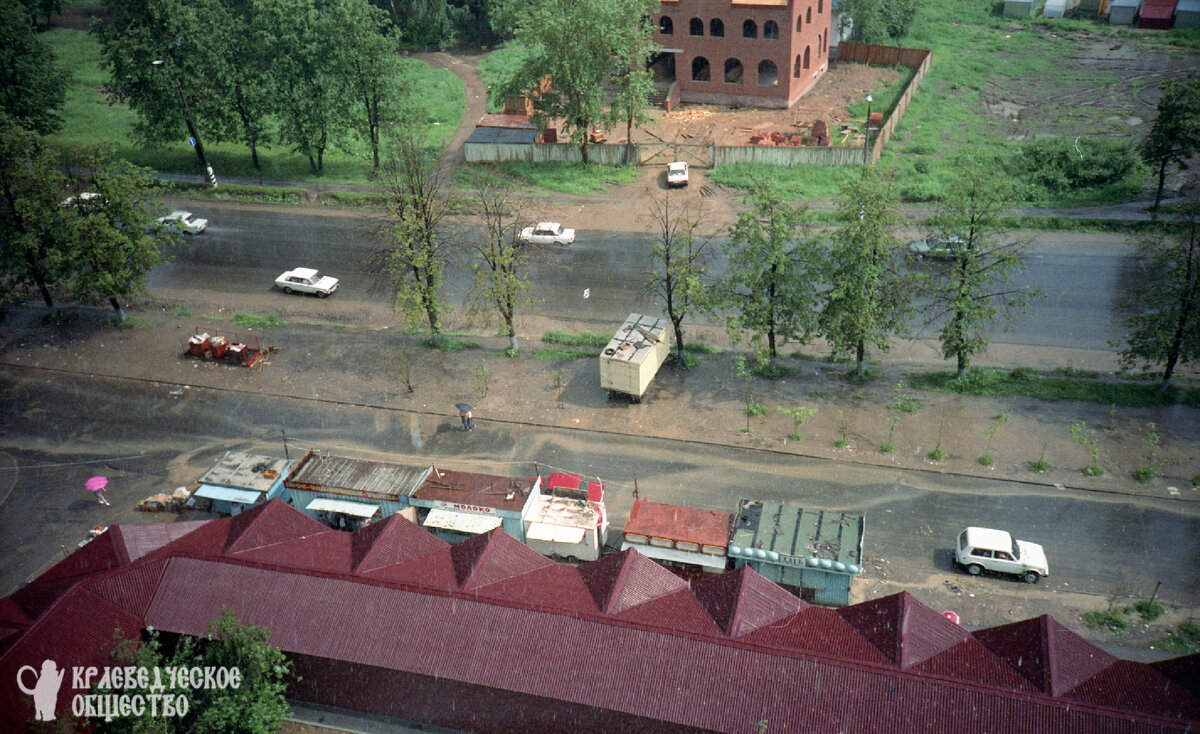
464,414
97,485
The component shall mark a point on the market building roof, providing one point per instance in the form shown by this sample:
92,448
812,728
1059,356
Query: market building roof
679,523
489,631
363,478
785,534
468,490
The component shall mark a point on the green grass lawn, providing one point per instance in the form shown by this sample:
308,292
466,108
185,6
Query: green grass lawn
89,118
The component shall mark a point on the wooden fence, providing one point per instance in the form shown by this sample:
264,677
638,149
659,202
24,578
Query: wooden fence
618,154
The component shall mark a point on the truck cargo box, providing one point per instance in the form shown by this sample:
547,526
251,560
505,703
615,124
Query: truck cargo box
634,354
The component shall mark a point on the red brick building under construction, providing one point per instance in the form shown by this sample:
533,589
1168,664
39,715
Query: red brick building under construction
489,636
764,53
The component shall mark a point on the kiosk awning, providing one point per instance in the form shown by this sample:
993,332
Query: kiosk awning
462,522
717,563
228,494
343,507
554,533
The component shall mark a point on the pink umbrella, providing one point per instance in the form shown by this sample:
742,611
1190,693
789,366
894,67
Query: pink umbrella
95,484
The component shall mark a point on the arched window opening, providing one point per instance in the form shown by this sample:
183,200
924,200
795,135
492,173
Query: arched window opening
771,30
665,26
768,74
749,29
733,71
696,27
808,15
716,28
806,49
799,23
820,6
796,68
700,69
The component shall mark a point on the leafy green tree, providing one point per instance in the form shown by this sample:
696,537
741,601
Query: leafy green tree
243,47
369,67
32,85
681,262
974,293
35,231
115,238
772,288
177,93
634,47
579,45
1175,135
500,266
412,266
879,21
1161,307
255,706
870,298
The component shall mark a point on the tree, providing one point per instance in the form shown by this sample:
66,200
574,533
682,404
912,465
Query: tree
256,705
35,232
32,86
870,299
879,21
411,267
775,266
1161,307
115,242
500,283
973,293
1175,134
177,92
369,66
634,46
680,266
578,45
244,49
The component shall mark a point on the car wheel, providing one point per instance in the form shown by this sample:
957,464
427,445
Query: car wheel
323,294
1031,577
974,569
287,290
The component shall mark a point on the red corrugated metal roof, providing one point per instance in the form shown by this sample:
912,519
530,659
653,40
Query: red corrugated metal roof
142,539
676,666
394,540
520,122
273,522
324,551
905,630
1185,671
560,480
130,589
626,579
492,557
677,522
742,601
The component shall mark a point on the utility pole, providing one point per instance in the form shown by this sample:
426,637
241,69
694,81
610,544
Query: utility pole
867,135
193,132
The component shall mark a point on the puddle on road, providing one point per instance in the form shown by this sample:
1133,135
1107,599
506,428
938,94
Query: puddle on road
414,431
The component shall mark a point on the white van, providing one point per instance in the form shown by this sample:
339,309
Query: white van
995,550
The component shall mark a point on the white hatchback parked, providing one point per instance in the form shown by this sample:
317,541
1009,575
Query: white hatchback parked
995,550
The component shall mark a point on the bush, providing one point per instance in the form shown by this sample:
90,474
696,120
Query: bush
1149,610
1144,474
1108,619
1065,165
987,459
582,339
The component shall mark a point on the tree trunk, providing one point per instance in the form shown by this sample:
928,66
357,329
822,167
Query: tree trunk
254,155
117,307
512,343
45,293
860,358
964,361
1162,181
679,347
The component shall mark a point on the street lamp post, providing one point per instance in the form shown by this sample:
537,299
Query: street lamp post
191,124
867,134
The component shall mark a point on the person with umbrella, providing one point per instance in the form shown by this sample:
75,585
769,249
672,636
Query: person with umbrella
464,414
96,486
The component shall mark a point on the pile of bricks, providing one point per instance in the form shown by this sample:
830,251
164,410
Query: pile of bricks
819,136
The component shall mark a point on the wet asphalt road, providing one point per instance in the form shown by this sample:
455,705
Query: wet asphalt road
245,248
148,437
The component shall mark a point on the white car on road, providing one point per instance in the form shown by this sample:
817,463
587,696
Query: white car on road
677,174
980,549
183,221
307,280
548,233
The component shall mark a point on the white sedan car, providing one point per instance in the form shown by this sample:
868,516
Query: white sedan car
548,233
183,221
307,280
677,174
